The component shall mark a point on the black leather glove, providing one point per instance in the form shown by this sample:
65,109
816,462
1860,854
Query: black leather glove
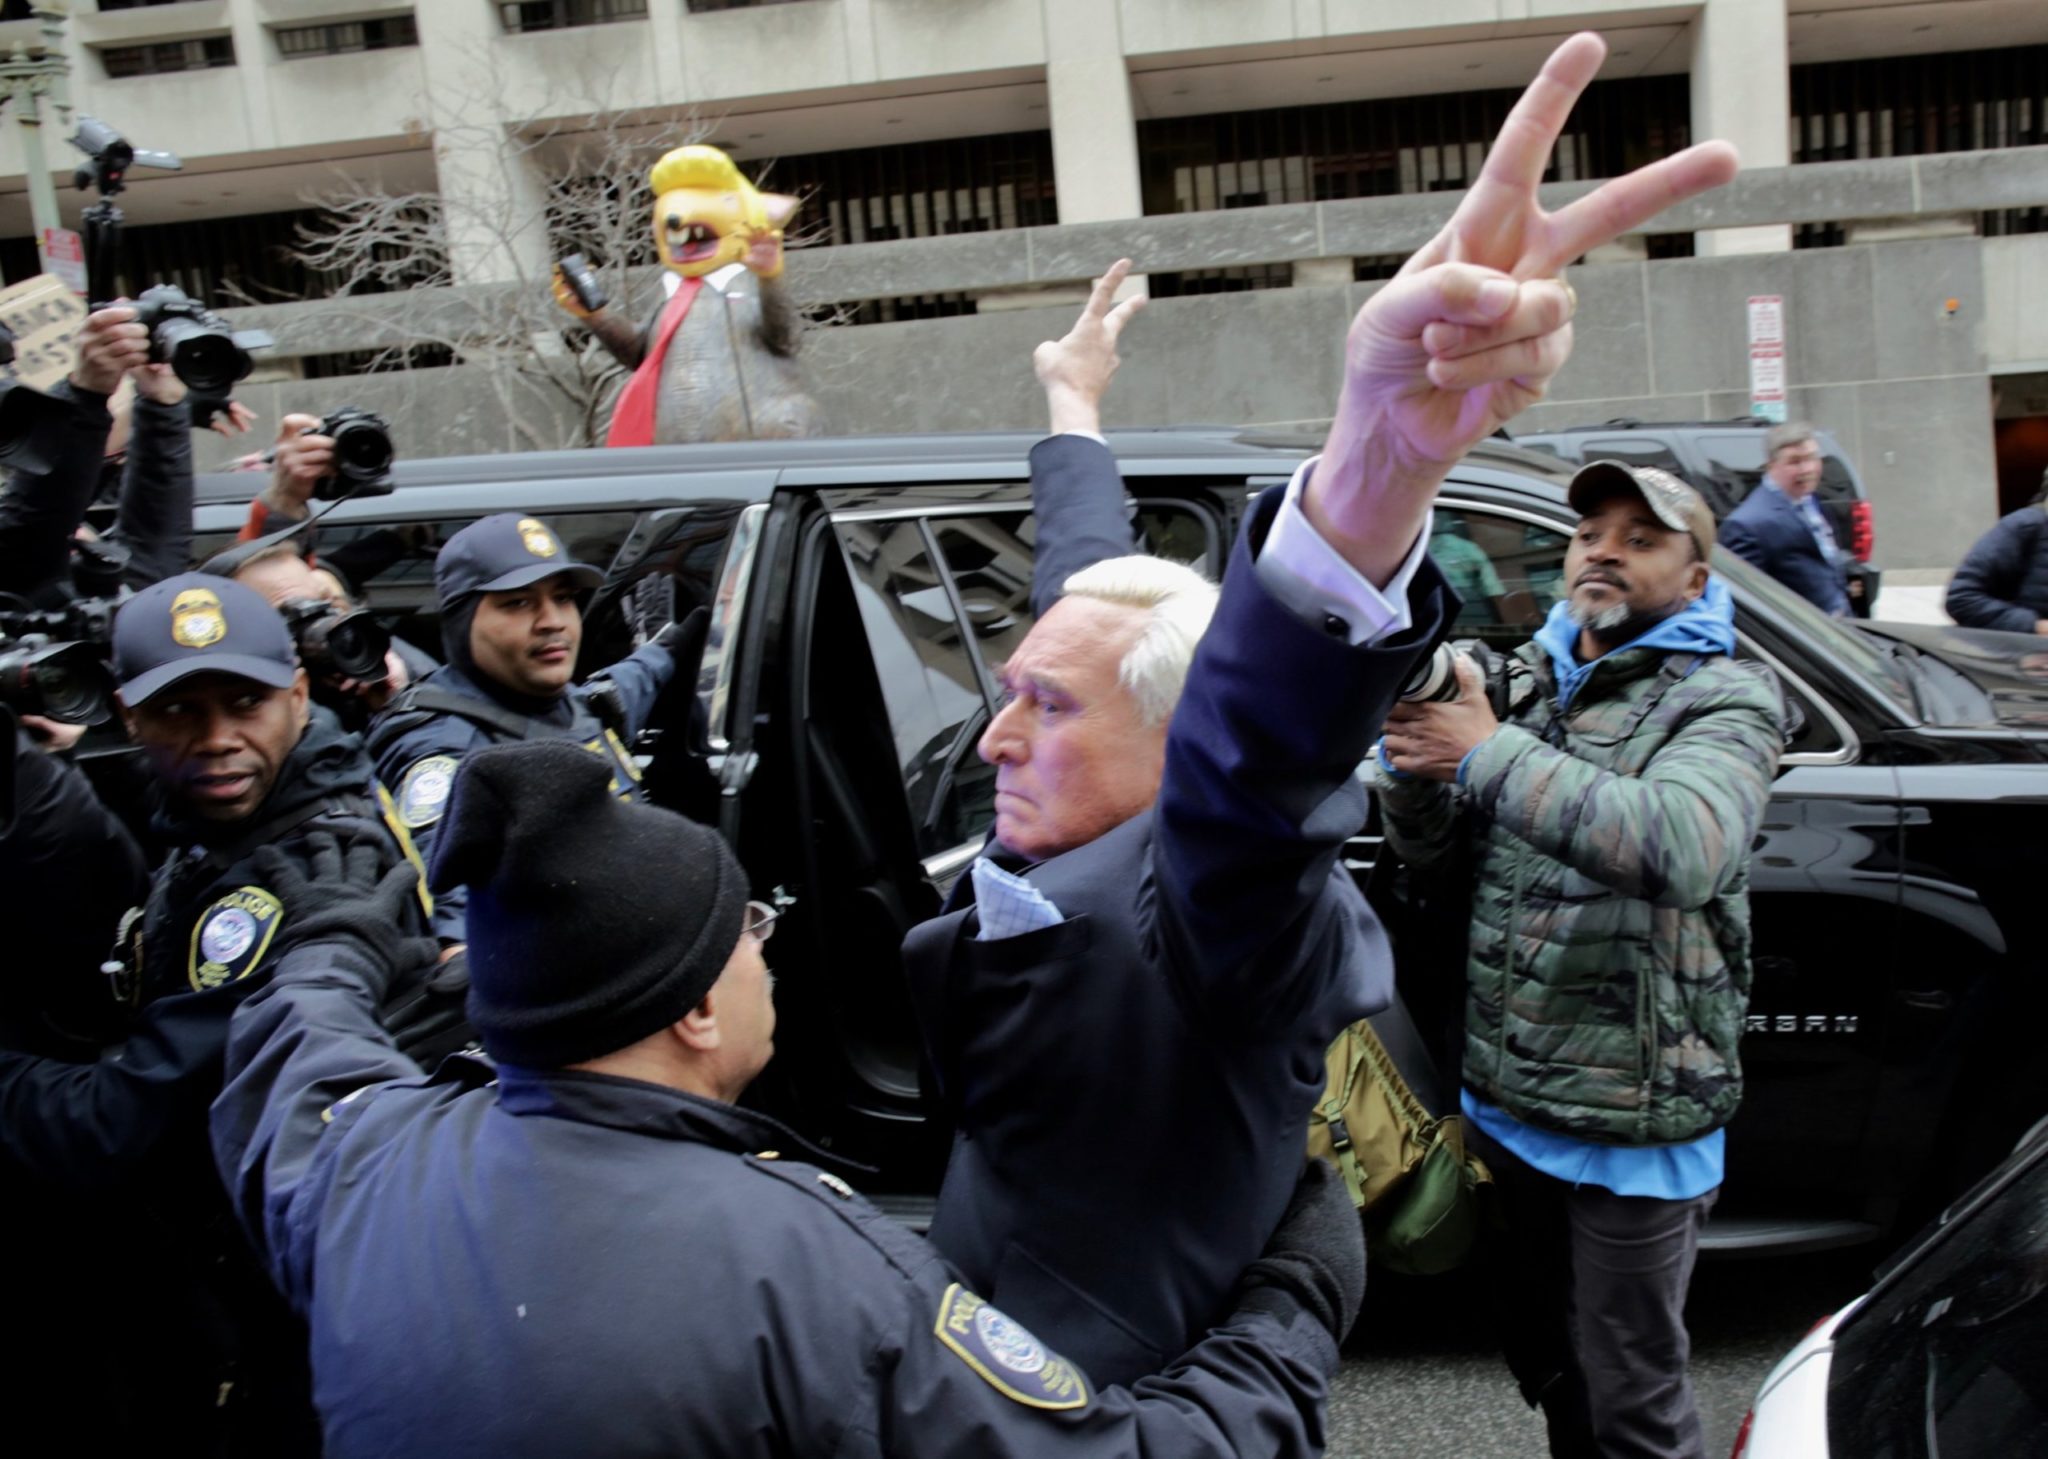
1316,1260
685,637
342,898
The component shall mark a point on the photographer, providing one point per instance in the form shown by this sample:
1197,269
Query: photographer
41,509
1597,803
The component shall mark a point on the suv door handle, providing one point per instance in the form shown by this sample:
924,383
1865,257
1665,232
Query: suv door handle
1929,1000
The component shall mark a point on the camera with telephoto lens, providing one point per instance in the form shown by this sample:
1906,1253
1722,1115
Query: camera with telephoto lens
336,644
194,341
65,681
1435,679
362,454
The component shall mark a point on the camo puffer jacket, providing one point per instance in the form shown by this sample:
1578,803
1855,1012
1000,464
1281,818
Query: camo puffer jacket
1609,851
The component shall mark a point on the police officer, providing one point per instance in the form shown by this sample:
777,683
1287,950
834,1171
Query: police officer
600,1253
212,693
511,626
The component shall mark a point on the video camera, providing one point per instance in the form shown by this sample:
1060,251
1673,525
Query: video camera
183,333
53,661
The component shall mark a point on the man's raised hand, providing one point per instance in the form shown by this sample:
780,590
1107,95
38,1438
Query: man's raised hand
1075,368
1477,322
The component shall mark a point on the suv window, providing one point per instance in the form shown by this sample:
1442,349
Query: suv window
391,564
1951,1356
1508,572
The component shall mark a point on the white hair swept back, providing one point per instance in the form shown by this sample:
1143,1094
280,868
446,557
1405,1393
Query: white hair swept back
1178,602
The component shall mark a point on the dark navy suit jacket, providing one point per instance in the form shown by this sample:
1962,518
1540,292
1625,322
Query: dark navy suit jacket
1130,1088
1767,531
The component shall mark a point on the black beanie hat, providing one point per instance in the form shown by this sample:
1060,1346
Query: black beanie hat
593,922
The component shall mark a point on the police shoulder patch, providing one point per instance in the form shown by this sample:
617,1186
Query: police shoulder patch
231,937
1005,1354
423,793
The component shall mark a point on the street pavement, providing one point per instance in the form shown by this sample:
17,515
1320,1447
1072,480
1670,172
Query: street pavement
1420,1382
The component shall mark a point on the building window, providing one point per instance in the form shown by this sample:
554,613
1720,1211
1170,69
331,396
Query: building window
121,4
702,7
525,15
1416,144
163,57
343,37
1905,106
919,189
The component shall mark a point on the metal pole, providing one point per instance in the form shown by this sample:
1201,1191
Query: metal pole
28,123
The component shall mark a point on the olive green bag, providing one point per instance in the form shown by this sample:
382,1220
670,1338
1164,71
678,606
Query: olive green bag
1421,1194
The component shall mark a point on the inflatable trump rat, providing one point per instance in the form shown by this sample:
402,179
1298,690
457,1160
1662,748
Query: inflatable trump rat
718,360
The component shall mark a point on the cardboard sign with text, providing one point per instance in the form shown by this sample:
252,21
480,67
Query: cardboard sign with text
44,316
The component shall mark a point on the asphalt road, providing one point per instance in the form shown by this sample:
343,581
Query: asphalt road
1420,1382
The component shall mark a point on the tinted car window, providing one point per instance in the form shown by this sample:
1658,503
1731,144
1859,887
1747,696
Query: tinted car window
931,680
392,563
1950,1357
1507,572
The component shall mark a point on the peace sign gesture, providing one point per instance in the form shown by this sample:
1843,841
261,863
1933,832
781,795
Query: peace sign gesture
1075,368
1476,323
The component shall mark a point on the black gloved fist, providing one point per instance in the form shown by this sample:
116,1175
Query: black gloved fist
685,637
343,898
1316,1259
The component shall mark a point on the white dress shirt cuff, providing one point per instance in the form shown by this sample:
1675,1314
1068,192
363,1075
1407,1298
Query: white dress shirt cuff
1096,436
1315,583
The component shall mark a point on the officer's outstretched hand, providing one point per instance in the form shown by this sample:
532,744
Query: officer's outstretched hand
1316,1256
342,897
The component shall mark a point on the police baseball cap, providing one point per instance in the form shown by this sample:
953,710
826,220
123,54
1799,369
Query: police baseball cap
1670,500
503,552
197,623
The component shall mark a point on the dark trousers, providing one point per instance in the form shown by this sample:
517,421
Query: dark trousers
1590,1288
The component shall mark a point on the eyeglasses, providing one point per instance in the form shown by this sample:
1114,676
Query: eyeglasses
760,923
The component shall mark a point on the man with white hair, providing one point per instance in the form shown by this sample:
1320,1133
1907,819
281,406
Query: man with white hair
1125,1005
1127,1025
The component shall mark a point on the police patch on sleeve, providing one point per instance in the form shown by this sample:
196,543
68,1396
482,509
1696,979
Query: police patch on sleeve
423,794
1005,1354
232,936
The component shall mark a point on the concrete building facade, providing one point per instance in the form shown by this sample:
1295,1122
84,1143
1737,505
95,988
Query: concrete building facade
1913,340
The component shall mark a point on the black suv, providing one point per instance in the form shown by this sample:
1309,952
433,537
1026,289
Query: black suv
864,590
1724,460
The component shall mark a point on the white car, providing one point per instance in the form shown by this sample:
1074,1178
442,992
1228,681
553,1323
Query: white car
1946,1357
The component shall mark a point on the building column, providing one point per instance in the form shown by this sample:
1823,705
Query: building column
493,202
1742,93
1094,129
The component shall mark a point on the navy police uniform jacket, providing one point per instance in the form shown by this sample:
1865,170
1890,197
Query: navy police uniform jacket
571,1263
1768,532
185,959
417,750
1130,1088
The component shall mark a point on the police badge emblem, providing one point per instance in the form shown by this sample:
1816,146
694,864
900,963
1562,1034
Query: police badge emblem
1003,1352
423,793
232,936
197,619
538,539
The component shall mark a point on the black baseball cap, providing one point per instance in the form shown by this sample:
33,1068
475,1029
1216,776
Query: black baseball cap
503,552
196,623
1670,500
